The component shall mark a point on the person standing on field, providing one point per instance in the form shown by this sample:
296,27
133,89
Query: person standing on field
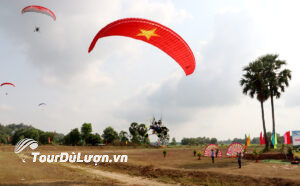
212,156
240,159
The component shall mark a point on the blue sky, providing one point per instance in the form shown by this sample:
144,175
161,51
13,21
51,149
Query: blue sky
124,80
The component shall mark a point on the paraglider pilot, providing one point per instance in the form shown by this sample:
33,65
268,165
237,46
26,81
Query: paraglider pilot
37,29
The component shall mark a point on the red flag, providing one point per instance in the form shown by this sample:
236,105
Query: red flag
49,139
264,140
261,139
8,139
287,138
106,142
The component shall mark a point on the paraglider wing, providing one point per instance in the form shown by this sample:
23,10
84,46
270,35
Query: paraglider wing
42,104
39,9
7,84
154,33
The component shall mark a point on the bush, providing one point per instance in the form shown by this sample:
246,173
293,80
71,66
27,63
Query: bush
165,153
266,149
255,154
199,154
282,149
290,152
117,142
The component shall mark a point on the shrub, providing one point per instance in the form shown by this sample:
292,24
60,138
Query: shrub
282,148
290,152
165,153
256,154
199,154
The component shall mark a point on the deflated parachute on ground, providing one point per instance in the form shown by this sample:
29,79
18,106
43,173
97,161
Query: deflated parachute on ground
154,33
39,9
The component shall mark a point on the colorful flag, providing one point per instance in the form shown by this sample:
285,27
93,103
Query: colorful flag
248,140
48,139
106,141
126,142
275,146
272,137
261,139
8,139
287,138
274,140
264,140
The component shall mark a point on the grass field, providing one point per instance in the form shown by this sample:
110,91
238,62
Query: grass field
179,167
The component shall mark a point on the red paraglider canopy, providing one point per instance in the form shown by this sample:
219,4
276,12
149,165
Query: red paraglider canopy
233,149
209,147
154,33
7,84
39,9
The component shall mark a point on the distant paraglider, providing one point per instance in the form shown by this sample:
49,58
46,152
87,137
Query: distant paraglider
37,29
42,104
7,84
158,128
153,33
39,9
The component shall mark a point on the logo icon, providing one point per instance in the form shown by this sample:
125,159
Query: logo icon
22,144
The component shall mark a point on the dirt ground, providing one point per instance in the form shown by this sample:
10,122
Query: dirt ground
13,171
144,164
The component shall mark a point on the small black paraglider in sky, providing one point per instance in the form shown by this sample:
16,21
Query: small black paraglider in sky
37,29
158,128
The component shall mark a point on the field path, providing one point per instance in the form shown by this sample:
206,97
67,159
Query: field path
123,178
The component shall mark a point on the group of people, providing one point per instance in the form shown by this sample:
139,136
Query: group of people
239,156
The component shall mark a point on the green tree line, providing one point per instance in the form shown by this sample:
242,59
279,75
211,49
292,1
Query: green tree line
13,133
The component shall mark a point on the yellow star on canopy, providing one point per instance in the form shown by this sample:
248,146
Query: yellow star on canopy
148,33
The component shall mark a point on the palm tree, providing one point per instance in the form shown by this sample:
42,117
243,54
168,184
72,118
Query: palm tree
254,84
277,79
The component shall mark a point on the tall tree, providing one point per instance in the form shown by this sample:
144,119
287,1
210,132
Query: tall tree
75,136
134,132
93,139
86,130
142,130
255,84
123,135
173,141
213,140
277,78
109,134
